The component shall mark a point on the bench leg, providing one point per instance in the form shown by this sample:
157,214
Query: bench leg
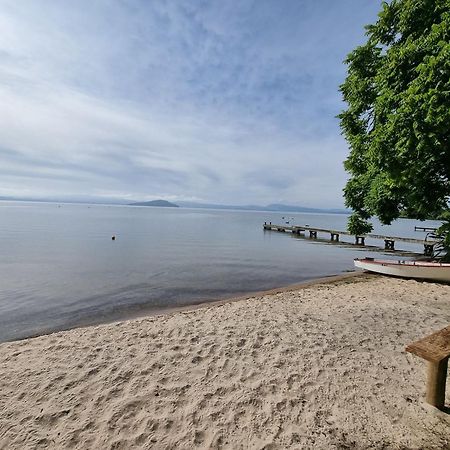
437,374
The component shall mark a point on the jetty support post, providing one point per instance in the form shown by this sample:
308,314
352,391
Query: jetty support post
334,236
312,234
360,240
389,244
428,249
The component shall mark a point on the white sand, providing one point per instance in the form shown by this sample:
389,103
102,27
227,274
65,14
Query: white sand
322,367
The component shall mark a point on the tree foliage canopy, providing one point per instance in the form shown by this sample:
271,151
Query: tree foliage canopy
397,122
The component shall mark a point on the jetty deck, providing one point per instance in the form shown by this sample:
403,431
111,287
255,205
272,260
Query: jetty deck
431,229
389,241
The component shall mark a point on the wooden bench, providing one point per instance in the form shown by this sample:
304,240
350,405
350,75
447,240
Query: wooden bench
436,350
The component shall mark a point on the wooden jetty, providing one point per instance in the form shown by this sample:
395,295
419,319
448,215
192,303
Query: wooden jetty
425,229
389,241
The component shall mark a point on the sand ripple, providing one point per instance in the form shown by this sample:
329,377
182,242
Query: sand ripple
321,367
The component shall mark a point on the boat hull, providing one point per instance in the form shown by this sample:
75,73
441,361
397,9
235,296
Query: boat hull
407,269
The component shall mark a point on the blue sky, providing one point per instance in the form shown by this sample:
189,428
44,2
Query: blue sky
213,101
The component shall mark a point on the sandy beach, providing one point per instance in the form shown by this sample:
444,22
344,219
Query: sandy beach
318,367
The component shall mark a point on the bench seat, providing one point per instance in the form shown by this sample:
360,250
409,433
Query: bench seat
434,348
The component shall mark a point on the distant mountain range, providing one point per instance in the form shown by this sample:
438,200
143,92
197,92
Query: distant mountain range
274,207
163,203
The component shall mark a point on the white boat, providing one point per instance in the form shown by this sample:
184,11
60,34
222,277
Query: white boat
408,269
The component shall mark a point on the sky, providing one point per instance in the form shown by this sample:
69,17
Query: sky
218,101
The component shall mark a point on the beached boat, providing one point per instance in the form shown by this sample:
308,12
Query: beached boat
407,269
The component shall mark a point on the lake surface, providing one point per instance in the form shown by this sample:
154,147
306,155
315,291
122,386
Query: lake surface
59,267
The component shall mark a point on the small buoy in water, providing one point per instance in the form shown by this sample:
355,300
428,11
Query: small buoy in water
113,237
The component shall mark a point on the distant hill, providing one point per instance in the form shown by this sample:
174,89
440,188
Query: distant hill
163,203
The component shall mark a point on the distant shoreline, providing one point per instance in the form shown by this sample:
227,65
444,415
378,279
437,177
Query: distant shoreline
291,209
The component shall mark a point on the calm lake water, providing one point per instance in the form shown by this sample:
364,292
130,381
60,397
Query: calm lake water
59,267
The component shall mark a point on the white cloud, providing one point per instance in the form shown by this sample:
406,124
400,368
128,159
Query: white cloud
225,102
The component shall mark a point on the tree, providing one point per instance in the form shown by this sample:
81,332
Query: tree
397,122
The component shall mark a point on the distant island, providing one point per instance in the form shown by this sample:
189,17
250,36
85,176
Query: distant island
163,203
